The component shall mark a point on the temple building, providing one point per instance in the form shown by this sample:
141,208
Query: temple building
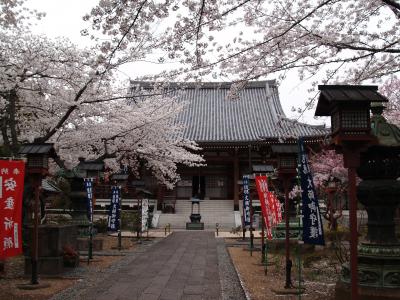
237,136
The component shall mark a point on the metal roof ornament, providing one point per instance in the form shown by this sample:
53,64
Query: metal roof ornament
386,133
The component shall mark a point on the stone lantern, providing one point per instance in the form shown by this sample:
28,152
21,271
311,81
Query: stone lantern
379,192
90,168
78,195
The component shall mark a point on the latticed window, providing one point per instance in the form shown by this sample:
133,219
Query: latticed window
335,121
38,161
184,187
287,162
355,119
216,187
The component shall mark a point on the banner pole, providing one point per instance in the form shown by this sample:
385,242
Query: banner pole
288,282
88,184
91,223
90,249
35,235
244,226
266,258
251,227
262,241
299,263
120,221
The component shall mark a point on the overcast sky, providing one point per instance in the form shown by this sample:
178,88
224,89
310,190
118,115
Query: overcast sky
64,19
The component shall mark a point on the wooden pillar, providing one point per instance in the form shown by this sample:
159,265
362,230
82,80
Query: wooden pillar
235,180
160,196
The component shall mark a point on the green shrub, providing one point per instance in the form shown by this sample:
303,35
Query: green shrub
131,220
101,225
342,233
58,219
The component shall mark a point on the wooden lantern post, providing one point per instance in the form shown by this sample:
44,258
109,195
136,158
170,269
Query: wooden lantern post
349,109
287,163
37,167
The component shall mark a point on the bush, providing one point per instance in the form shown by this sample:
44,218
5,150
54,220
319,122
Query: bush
131,220
101,225
58,219
342,233
339,240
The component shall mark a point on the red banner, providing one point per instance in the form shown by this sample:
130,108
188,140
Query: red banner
11,191
270,205
277,207
263,195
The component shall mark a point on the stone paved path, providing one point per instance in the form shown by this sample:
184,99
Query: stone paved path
182,266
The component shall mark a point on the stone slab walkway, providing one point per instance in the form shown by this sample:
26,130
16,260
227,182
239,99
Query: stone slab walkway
185,265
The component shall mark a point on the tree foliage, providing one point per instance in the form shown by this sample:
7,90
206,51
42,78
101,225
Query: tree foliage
327,166
391,88
53,91
349,40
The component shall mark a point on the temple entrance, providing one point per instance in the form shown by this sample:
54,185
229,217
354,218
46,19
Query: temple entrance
198,187
204,187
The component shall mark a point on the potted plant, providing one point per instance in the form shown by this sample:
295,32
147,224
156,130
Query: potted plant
70,257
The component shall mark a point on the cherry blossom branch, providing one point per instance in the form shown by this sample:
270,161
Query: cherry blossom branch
126,32
65,117
198,33
392,4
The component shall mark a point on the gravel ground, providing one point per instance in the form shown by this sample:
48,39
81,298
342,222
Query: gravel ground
230,284
260,286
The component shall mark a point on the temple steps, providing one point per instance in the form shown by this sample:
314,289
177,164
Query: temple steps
212,212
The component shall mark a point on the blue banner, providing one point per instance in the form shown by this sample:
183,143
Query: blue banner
246,200
89,190
113,213
313,230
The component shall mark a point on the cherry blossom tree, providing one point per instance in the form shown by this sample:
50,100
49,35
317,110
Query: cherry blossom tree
348,40
52,91
328,167
391,89
14,14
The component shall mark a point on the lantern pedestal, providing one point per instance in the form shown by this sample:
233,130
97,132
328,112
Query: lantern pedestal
295,230
56,244
379,255
195,218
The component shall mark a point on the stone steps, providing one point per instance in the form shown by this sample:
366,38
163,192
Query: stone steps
212,212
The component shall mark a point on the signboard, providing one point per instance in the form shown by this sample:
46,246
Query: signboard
313,231
11,190
113,213
246,200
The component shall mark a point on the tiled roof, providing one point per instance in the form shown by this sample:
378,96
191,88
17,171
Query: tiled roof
91,166
50,186
346,93
36,148
257,115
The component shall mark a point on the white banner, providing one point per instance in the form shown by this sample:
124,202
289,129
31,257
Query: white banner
145,213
